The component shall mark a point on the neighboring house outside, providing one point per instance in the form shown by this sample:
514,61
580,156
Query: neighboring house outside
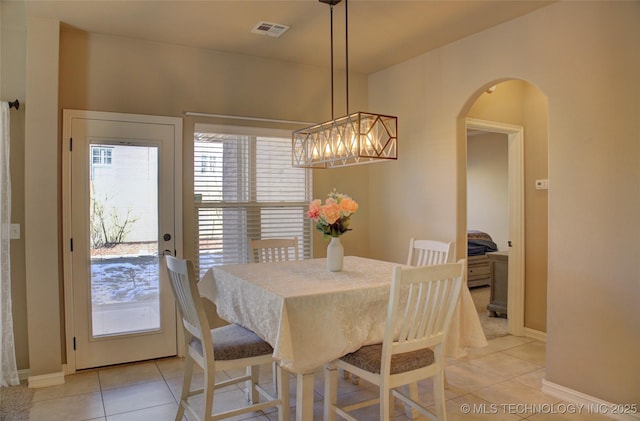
124,186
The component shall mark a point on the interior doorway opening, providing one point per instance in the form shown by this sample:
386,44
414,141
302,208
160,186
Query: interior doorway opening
512,241
488,227
518,110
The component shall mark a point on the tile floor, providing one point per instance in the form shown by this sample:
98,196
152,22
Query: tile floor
499,382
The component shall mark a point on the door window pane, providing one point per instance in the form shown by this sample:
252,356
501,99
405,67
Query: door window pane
125,294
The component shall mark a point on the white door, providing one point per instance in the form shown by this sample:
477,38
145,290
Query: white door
122,184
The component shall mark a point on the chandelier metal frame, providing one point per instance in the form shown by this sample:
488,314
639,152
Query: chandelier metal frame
356,138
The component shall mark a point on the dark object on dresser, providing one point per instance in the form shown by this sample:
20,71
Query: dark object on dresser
499,267
478,245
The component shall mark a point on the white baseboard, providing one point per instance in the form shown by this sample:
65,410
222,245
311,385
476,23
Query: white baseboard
591,404
535,334
46,380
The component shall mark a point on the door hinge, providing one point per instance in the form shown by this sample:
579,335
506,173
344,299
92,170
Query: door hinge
70,144
74,343
71,244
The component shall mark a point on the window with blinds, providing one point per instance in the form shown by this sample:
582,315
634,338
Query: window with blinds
245,188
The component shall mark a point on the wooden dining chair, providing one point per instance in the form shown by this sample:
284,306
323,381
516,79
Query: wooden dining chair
274,250
230,347
419,313
421,253
429,252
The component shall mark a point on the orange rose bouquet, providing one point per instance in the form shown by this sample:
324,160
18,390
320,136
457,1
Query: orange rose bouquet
332,219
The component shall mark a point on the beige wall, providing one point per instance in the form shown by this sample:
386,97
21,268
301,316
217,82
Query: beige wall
536,152
13,36
41,193
583,56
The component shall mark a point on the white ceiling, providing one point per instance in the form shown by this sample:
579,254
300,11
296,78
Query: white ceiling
381,32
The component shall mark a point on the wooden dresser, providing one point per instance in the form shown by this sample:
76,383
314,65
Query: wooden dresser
499,268
478,272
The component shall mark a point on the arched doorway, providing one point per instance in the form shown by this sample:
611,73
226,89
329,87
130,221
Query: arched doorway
506,106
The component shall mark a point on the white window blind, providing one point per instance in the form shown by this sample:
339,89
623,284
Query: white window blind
245,188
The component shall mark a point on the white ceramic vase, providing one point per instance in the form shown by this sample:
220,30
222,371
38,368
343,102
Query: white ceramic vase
335,255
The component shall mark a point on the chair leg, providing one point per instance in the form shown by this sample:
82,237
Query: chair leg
438,394
253,396
444,375
186,387
282,382
412,392
209,390
274,373
348,376
385,403
330,392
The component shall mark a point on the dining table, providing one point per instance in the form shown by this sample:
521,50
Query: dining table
311,315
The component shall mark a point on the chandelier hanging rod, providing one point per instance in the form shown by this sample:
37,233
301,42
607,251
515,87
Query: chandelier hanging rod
346,50
332,3
331,30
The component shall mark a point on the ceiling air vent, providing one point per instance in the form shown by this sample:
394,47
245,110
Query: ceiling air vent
269,28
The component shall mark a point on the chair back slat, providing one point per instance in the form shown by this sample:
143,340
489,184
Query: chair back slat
274,250
421,306
431,308
424,310
429,252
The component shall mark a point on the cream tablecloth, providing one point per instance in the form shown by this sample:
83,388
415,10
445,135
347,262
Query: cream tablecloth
310,315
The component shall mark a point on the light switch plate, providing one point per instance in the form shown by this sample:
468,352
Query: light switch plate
542,184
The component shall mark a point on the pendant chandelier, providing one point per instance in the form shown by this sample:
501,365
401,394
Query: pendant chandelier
356,138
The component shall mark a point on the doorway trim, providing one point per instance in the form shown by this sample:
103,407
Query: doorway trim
515,295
